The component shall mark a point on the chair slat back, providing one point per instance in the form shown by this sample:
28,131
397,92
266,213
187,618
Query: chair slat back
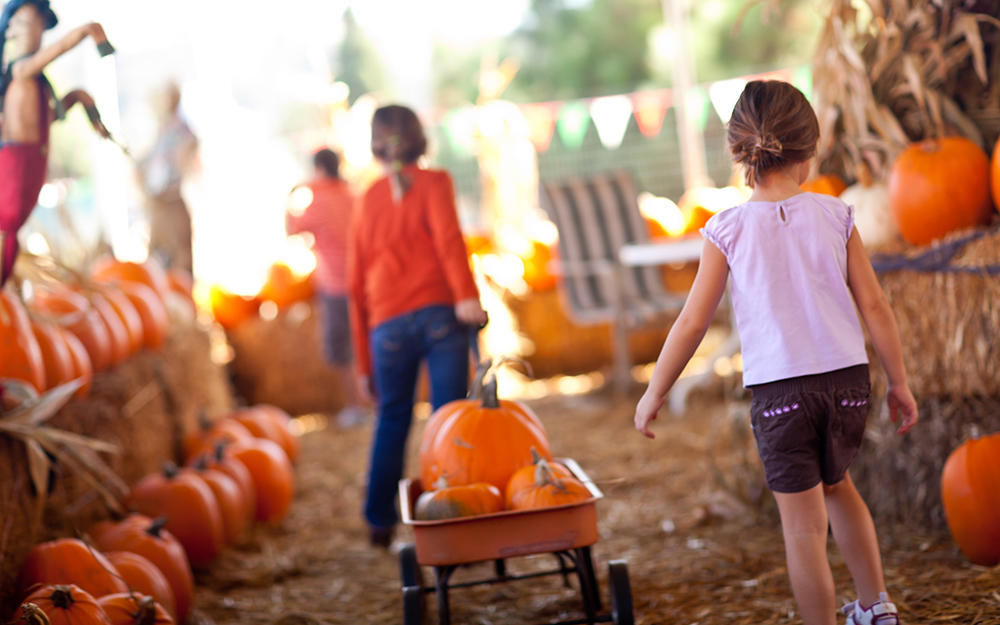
596,216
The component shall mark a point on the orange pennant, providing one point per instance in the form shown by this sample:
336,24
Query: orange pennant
649,108
541,124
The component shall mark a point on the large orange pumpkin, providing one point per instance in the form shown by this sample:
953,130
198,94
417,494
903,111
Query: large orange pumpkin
450,502
937,186
56,356
192,512
217,460
211,433
995,174
468,441
229,309
71,561
149,273
63,604
20,354
970,491
547,490
273,478
152,312
291,443
536,267
72,311
148,538
133,608
236,517
264,423
129,315
827,184
284,287
82,368
119,340
143,577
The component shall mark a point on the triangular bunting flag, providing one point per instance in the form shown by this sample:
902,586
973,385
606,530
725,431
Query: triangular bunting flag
541,124
649,107
611,115
724,95
572,124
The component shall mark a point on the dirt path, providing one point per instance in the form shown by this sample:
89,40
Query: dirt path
696,552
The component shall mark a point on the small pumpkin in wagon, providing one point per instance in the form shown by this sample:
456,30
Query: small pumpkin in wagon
548,490
525,476
450,502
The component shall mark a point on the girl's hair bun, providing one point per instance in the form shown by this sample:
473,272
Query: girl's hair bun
764,146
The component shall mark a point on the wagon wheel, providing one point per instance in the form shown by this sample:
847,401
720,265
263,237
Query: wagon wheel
413,605
412,577
621,593
409,568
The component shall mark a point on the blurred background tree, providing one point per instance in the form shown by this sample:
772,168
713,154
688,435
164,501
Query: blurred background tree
356,62
585,48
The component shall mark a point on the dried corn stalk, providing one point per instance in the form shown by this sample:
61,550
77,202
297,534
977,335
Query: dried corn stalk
901,71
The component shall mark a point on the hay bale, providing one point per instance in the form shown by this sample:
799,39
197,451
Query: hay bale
279,361
557,346
143,406
950,323
900,476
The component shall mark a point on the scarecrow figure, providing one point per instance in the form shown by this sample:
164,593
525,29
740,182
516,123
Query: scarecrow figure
28,106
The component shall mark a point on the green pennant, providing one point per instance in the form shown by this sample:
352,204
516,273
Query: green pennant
698,105
574,118
803,80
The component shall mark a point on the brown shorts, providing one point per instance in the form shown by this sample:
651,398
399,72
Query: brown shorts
809,429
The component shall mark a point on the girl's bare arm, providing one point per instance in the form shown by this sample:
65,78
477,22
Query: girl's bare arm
881,322
686,334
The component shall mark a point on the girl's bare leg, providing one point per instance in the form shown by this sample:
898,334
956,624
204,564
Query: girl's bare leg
804,525
854,532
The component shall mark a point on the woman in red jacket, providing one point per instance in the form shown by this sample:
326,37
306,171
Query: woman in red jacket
412,299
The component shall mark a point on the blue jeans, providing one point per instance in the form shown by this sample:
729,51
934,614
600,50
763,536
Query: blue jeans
397,347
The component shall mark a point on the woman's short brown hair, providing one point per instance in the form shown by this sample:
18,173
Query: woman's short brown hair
772,126
397,135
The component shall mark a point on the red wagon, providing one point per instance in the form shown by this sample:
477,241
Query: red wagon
567,532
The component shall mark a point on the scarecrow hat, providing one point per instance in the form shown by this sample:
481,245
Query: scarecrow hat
12,7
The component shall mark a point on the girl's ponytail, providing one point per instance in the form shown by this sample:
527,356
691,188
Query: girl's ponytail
400,141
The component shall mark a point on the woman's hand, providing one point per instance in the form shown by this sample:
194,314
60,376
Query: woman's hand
365,392
470,312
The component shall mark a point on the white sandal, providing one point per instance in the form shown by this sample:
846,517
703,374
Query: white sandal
882,613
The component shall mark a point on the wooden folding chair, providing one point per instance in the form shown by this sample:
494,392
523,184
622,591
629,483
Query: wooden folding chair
597,216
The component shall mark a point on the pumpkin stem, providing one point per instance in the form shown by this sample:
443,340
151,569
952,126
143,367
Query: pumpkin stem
490,399
31,614
146,614
170,470
220,450
202,463
62,597
204,424
157,526
535,456
545,476
476,391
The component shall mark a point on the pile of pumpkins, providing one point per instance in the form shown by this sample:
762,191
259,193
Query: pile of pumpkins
138,570
935,187
484,455
284,287
73,331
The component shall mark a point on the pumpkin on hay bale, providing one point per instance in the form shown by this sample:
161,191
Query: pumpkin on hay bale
143,406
